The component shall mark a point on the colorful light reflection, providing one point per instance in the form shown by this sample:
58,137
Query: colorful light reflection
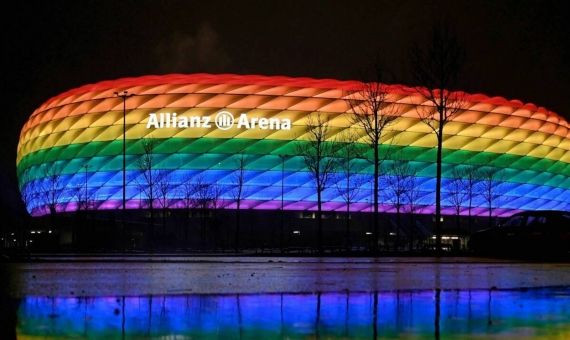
501,314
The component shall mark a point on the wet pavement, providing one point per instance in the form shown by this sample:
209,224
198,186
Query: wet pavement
178,297
230,275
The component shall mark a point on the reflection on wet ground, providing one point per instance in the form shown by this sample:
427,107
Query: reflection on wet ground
537,313
249,275
292,298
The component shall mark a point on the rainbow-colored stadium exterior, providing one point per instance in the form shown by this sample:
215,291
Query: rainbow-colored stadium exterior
529,144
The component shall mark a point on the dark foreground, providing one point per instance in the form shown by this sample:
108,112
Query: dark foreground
251,298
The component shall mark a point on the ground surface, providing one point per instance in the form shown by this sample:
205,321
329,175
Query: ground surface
142,275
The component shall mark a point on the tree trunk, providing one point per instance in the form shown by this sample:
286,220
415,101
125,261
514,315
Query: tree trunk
412,225
164,222
202,221
376,179
152,236
457,221
438,188
319,222
347,226
398,228
236,236
187,227
470,218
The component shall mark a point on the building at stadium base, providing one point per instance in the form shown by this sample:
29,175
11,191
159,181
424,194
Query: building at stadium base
206,128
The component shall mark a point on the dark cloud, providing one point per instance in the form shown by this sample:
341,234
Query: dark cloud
187,52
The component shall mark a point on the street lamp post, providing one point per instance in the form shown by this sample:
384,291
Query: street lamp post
124,95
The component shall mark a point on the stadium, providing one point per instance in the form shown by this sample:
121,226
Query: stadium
77,136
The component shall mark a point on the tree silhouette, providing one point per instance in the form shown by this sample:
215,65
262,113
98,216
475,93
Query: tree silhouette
238,193
436,68
51,189
205,199
147,182
29,190
412,196
471,177
490,182
398,182
163,191
349,183
373,112
318,155
458,192
186,193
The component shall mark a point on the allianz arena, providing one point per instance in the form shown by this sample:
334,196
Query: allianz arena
80,133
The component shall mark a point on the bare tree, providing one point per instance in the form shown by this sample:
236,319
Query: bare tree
51,188
163,191
202,193
349,183
81,198
458,192
206,199
218,202
437,67
216,192
372,112
148,182
84,202
318,155
490,181
412,195
471,176
399,175
82,194
28,189
29,194
186,192
202,201
238,193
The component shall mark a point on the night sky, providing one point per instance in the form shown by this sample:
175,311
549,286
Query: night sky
515,49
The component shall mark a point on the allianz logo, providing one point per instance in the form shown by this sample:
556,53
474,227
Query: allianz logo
223,120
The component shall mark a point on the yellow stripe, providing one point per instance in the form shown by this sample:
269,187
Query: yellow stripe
406,131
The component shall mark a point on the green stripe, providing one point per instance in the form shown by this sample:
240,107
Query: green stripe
204,153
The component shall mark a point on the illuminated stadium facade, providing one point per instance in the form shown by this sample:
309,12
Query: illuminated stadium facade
77,137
